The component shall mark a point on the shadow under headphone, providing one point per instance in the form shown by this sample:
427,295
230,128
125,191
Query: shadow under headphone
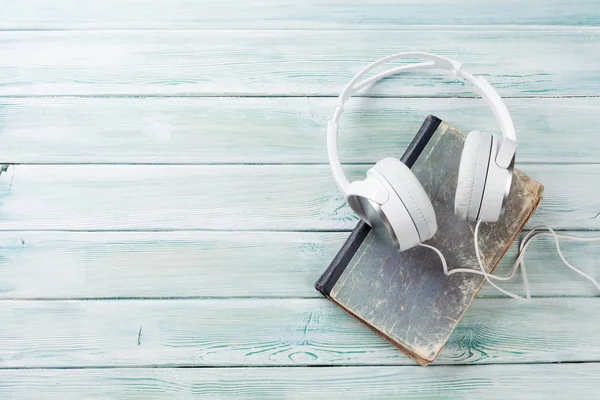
391,199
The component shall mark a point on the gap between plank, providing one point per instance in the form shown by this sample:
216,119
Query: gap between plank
238,298
316,230
404,28
225,164
280,95
259,366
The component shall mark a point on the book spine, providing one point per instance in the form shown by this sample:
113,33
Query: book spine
342,259
331,275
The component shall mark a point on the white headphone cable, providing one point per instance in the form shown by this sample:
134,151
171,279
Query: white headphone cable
520,259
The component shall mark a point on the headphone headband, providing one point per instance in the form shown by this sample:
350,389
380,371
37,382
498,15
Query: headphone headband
508,145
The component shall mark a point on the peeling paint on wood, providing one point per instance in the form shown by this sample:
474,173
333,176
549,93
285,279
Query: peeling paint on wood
234,197
275,130
278,332
494,382
518,62
286,48
290,14
224,264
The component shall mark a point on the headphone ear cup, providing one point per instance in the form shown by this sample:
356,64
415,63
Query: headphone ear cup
472,173
413,198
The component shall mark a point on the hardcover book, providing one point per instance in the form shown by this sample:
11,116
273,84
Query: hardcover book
406,297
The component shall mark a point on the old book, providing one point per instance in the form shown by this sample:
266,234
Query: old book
406,297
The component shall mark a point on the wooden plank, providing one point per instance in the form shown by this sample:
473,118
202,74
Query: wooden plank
278,332
494,382
272,130
289,14
232,197
520,62
163,264
222,264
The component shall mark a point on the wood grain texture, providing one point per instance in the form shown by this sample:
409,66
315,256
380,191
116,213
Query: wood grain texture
223,264
273,130
518,62
278,332
125,109
290,14
494,382
232,197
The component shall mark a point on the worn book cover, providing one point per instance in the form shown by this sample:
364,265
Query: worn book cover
406,297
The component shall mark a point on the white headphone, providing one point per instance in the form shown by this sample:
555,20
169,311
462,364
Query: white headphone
391,199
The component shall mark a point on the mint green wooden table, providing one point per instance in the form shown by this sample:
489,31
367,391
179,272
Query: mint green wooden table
167,205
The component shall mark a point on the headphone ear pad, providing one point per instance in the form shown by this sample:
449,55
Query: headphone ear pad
472,174
410,191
